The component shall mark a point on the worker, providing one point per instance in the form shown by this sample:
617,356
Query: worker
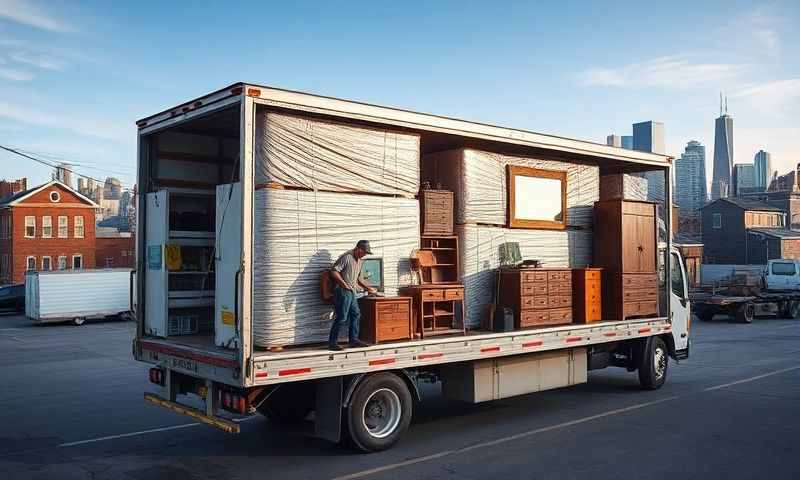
346,274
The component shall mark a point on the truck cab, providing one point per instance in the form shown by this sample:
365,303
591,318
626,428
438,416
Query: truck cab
782,275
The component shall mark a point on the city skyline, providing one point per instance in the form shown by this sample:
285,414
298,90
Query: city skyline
74,78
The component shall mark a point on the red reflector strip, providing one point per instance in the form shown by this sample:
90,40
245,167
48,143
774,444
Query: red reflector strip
293,371
426,356
573,339
261,374
667,328
382,361
645,330
253,92
535,343
490,349
610,334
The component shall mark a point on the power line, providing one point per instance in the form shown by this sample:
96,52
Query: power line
51,165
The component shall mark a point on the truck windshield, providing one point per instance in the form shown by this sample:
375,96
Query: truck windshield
783,268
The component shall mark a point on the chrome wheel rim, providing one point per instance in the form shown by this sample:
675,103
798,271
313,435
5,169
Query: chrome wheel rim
382,412
660,362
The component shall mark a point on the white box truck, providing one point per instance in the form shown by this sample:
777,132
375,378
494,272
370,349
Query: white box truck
77,295
250,192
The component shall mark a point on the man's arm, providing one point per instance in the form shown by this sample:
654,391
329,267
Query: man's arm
369,288
337,277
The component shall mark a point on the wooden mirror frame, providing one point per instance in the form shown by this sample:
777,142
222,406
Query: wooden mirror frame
512,172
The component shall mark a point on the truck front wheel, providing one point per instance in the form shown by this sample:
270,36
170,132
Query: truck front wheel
745,313
379,412
653,364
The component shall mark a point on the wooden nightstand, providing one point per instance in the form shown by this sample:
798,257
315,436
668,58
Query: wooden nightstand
385,319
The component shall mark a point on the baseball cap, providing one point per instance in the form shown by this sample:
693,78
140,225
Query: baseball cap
364,245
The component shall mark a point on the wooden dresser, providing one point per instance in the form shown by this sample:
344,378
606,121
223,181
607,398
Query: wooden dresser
436,212
385,318
439,309
625,247
538,296
586,295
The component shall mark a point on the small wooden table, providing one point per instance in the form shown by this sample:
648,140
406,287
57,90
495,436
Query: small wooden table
435,308
385,319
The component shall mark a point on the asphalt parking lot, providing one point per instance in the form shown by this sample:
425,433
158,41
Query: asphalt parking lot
71,407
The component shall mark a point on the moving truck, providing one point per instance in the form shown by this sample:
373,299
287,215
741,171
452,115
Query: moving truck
248,194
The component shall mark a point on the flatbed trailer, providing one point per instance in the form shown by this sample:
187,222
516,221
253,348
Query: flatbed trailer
367,395
745,308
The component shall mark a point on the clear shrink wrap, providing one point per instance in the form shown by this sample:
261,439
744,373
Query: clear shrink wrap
478,180
629,186
321,155
297,234
480,257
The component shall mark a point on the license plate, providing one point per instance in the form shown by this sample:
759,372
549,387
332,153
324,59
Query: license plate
184,364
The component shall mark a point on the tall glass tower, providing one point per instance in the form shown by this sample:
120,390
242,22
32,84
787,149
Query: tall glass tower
763,169
723,153
690,178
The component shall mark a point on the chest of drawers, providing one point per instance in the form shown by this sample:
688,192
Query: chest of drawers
586,295
385,319
538,296
436,212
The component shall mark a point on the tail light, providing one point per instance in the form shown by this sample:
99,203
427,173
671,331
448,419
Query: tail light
157,376
234,402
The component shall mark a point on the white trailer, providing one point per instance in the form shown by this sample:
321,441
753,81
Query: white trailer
196,318
78,295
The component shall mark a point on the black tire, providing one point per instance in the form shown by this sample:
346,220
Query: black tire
379,412
745,313
289,404
653,364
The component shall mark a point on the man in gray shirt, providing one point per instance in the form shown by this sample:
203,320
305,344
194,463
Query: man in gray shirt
346,274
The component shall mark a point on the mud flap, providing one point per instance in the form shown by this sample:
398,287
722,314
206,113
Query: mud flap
328,415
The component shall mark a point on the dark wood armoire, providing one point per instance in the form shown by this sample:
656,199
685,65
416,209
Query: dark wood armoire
625,246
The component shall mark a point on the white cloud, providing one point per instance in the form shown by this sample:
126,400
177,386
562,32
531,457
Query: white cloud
674,71
774,96
26,13
14,74
101,128
758,30
45,62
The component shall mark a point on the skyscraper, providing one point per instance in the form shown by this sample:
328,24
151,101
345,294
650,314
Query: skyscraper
614,140
763,169
649,137
742,179
627,142
690,178
723,153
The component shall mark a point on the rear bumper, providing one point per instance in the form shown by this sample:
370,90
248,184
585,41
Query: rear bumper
218,422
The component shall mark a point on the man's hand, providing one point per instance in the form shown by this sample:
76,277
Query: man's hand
372,290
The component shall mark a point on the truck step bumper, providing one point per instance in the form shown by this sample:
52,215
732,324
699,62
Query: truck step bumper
221,423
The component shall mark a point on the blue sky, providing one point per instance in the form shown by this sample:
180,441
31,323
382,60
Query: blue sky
75,76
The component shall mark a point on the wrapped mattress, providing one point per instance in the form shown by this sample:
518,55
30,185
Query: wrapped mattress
478,180
630,186
297,234
480,257
320,155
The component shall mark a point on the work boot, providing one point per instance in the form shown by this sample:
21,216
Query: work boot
335,348
359,343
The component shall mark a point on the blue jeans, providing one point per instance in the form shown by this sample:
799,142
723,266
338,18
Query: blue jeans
345,310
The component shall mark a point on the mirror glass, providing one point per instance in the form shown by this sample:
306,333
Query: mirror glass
537,198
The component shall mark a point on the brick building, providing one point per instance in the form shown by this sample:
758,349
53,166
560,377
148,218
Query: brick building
114,249
47,227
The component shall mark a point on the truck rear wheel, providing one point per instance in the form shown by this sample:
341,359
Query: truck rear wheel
654,364
745,313
379,412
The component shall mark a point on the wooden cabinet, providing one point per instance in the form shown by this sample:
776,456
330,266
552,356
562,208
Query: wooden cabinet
436,212
385,319
538,296
625,247
438,309
438,259
586,295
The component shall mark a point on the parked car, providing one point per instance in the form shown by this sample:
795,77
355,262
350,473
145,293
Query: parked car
12,297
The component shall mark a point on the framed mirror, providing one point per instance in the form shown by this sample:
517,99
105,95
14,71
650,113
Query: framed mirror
537,198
